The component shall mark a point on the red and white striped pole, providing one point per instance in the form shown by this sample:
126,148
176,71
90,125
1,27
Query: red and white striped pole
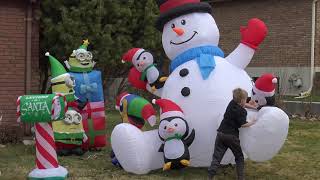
46,156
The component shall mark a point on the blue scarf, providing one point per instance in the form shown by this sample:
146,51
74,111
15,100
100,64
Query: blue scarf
203,55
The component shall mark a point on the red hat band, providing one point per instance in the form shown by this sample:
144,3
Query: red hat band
170,4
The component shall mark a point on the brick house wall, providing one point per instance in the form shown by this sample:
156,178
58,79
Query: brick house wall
287,48
13,41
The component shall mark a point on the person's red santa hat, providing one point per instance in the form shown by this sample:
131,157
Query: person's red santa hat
265,85
131,54
168,108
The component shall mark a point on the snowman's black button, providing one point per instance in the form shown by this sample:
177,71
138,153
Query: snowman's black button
184,72
185,91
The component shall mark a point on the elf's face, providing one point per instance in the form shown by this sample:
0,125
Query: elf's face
81,61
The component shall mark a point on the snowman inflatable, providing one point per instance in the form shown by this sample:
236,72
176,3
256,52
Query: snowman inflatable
201,83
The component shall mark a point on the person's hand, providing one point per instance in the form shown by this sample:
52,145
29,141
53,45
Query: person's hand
251,102
253,120
252,105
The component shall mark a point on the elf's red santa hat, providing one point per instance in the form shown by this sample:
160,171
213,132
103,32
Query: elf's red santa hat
265,85
170,9
131,54
168,108
120,98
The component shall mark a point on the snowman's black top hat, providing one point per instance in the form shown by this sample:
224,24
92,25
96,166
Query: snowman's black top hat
170,9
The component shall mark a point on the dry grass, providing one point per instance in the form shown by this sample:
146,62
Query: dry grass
298,159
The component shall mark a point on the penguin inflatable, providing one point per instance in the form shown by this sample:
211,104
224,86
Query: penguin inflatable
173,131
143,62
263,91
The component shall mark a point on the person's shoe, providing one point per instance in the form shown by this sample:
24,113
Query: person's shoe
210,177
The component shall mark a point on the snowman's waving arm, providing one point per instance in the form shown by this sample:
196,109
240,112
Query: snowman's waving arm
251,37
190,139
241,56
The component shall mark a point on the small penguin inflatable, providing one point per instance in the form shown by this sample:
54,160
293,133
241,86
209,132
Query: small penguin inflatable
173,131
263,90
142,61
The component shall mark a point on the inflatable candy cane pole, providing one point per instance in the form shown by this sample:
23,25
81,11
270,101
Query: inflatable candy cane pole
46,156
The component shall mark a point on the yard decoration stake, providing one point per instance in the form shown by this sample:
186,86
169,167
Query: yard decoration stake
45,147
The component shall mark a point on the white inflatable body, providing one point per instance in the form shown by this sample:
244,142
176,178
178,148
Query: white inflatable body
204,108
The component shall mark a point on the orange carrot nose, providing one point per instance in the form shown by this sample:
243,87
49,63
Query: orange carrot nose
179,31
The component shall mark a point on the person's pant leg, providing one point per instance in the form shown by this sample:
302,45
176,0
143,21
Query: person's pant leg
219,150
234,145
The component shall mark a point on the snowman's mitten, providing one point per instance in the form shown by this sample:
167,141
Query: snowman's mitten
254,33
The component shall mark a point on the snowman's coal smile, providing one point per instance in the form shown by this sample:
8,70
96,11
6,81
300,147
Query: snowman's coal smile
194,34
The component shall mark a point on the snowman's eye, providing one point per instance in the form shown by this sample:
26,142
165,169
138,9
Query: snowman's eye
173,25
144,57
175,124
165,127
183,22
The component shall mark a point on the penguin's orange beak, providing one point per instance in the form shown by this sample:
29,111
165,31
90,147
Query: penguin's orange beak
179,31
170,130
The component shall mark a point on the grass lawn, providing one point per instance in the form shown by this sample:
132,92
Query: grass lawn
312,98
298,159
